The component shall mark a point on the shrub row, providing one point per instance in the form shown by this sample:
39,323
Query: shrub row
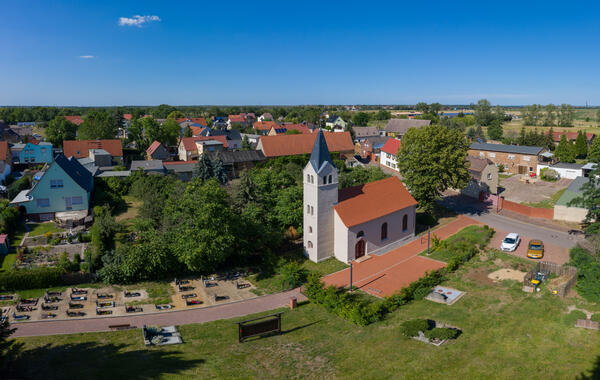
35,278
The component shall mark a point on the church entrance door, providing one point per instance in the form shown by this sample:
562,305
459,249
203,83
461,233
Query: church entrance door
359,250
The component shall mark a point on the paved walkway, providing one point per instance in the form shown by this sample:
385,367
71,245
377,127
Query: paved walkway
180,317
383,275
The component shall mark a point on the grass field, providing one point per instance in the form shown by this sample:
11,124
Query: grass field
133,206
42,228
507,334
547,203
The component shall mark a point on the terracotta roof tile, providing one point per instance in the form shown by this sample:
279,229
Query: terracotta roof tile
4,150
152,148
196,131
75,119
571,136
391,146
79,148
289,145
265,125
189,143
360,204
237,119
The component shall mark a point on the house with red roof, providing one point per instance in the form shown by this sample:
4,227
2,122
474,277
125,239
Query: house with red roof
353,222
572,136
77,120
389,151
86,148
190,148
237,119
291,145
157,151
264,127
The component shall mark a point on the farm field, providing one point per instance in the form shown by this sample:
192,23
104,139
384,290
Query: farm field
505,332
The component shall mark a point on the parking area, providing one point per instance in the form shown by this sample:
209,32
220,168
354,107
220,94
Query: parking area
517,190
552,253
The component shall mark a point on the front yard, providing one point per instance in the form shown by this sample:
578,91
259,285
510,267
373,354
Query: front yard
506,333
540,192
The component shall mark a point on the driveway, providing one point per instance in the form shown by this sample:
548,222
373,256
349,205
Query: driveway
552,252
518,191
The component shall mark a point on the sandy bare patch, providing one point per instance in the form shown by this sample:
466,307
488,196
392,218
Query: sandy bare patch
507,274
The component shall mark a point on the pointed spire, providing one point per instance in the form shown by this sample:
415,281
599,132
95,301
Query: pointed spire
320,153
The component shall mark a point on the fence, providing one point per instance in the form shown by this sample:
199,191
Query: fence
561,288
534,212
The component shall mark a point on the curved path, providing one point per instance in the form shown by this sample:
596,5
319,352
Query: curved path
178,317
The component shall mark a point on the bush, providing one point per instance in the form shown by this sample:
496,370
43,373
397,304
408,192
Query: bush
412,327
596,317
31,278
500,168
571,318
548,174
441,333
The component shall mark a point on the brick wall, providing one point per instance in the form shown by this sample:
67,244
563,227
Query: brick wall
534,212
511,161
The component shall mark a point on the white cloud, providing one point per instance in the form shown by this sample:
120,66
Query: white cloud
86,56
137,20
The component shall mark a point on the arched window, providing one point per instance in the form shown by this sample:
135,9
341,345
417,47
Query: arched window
384,231
310,244
330,178
308,209
312,179
360,234
310,229
308,178
324,179
405,223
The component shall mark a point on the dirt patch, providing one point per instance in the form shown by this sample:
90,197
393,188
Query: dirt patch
479,276
507,274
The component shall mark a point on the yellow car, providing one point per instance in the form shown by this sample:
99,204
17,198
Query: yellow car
535,249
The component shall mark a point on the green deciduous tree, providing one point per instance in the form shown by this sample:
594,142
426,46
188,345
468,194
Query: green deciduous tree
432,160
98,125
8,348
204,168
532,114
170,132
594,151
288,208
495,131
103,230
550,115
175,114
383,115
60,129
360,118
581,147
219,170
9,217
483,112
566,115
565,151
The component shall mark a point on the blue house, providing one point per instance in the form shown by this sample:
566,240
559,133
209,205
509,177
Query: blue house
61,191
40,153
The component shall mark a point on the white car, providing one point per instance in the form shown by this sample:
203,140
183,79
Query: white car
510,242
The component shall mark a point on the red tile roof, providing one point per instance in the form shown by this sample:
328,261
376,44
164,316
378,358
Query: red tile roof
189,143
571,136
79,148
179,162
127,116
4,151
196,131
298,127
361,204
265,125
152,148
3,238
289,145
197,120
75,119
391,146
237,119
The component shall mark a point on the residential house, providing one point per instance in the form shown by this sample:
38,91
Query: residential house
36,153
398,127
515,159
4,246
352,222
157,151
252,139
220,123
5,160
572,136
81,149
302,128
77,120
389,152
232,136
192,120
11,134
237,161
336,123
571,213
236,119
277,131
265,117
289,145
264,127
588,168
563,169
484,178
148,166
361,133
182,169
61,191
190,148
369,148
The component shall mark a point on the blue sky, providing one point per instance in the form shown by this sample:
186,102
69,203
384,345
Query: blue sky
285,52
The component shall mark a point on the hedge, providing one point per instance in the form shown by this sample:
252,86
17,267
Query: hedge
596,317
412,327
37,278
441,333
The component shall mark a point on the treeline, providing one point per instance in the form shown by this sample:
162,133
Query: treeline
549,115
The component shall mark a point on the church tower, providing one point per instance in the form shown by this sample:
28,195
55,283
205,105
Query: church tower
320,195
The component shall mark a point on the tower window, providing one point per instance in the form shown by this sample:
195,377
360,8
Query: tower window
310,245
405,223
310,229
360,234
384,228
330,178
308,178
308,209
324,179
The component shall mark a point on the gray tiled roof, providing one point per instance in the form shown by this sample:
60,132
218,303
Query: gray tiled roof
230,157
320,153
402,125
75,170
147,165
519,149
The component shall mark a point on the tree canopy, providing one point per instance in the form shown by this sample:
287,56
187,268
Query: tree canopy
60,129
98,125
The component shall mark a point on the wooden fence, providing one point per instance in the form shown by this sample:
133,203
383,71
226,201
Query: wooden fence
567,271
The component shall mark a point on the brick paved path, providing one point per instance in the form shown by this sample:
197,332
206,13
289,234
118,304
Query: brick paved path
181,317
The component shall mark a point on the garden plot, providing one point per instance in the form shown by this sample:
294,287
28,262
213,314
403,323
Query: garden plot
507,274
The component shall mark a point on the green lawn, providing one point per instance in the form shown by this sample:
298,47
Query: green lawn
158,292
8,260
472,235
131,212
547,203
41,228
506,334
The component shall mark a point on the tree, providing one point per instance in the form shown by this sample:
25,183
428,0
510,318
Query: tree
103,230
594,152
136,134
204,168
360,118
386,115
8,350
566,114
581,148
9,217
590,200
188,132
483,112
162,111
598,116
98,125
246,143
550,116
432,160
422,107
170,132
549,139
175,115
565,151
532,114
291,132
60,129
435,108
288,208
219,170
494,130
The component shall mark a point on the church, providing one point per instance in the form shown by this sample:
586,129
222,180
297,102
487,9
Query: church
352,222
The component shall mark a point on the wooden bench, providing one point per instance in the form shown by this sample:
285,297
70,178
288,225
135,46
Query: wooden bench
121,327
587,324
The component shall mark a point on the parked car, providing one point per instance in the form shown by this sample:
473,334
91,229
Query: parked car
510,242
535,249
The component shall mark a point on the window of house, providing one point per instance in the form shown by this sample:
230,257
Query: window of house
312,210
54,183
489,176
530,169
330,178
481,154
526,158
77,200
310,245
308,209
324,179
511,156
405,223
384,228
360,234
43,202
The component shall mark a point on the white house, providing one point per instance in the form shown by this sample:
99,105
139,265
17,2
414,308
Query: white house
336,123
564,170
389,150
355,221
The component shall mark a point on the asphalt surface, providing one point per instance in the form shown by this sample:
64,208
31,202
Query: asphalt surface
531,230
